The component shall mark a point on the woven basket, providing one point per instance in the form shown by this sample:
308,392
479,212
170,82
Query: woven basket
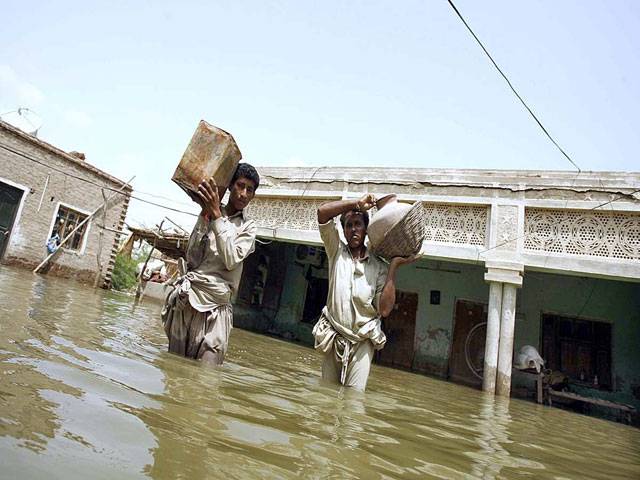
405,237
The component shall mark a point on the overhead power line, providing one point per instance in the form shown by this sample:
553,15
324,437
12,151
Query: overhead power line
512,88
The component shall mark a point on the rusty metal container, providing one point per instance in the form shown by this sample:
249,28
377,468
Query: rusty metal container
212,152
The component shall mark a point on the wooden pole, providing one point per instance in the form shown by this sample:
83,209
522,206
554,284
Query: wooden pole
167,218
44,190
96,280
65,239
144,267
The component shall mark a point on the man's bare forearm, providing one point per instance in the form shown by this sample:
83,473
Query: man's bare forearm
329,210
388,295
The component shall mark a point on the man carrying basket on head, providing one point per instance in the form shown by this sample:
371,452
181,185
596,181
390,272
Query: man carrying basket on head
361,291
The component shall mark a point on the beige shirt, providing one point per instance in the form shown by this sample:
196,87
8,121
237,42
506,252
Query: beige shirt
355,286
215,254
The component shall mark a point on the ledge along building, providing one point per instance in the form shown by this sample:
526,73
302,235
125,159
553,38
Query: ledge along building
511,258
46,191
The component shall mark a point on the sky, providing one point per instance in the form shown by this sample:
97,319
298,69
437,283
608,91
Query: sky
325,83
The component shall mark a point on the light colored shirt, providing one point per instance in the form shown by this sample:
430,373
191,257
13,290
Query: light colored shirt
215,254
355,286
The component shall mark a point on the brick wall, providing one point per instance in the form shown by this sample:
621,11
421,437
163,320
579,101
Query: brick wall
32,228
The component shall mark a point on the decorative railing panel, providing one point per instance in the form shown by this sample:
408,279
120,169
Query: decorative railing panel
454,224
589,233
289,213
461,224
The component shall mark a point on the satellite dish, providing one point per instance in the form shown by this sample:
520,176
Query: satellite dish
26,120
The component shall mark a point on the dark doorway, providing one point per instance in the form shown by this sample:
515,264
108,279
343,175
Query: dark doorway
9,202
400,329
316,298
467,349
262,278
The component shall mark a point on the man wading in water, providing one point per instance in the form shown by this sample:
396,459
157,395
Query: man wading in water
361,291
197,314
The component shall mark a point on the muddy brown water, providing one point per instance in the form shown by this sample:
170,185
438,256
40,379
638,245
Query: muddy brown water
87,390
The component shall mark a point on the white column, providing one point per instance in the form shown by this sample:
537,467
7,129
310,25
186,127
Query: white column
505,351
504,279
493,336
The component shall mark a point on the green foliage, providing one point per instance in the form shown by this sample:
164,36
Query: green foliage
124,273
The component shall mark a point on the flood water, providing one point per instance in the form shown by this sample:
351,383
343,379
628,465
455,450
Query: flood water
87,390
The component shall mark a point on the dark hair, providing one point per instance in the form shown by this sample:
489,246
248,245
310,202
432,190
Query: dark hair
365,217
247,171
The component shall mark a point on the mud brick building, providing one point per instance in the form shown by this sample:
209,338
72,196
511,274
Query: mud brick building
45,191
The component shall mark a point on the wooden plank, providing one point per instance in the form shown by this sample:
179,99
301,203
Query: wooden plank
594,401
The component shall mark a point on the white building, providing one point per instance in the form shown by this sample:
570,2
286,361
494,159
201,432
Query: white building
549,259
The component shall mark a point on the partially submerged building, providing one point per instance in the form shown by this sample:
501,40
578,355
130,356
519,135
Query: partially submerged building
512,258
44,192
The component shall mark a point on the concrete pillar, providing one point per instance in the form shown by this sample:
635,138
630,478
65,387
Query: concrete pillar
504,278
505,351
493,336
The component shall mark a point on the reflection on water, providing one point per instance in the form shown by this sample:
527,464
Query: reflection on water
87,390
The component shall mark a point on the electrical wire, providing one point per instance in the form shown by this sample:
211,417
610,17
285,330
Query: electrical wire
511,86
161,197
164,206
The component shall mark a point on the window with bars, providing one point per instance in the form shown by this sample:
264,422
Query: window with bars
67,219
579,348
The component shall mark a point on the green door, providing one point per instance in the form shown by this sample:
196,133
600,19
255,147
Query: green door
9,202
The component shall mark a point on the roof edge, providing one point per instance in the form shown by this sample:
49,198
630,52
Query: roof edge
61,153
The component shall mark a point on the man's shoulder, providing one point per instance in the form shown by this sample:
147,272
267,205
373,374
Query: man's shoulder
379,262
330,232
241,219
248,225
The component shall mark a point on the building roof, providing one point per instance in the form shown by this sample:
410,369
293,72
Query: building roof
514,180
62,154
172,244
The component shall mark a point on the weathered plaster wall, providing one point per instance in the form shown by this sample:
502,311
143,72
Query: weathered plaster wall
434,323
448,183
31,230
